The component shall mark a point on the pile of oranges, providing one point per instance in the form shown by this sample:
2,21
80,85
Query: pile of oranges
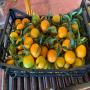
45,43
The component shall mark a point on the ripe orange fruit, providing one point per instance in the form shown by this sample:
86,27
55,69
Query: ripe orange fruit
20,47
62,32
66,66
56,19
28,61
81,51
28,42
44,25
34,33
75,27
14,35
60,62
70,57
25,21
10,62
44,51
20,52
35,50
17,21
40,62
66,43
52,55
20,26
78,62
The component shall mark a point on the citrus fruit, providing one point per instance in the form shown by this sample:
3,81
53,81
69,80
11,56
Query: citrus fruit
66,66
35,19
56,19
14,35
17,21
28,61
66,44
81,51
34,33
35,50
75,27
62,32
20,47
20,52
28,41
44,51
52,55
25,21
70,57
60,62
40,62
20,26
78,62
44,25
10,62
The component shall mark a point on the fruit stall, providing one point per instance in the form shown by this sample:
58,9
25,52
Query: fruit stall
50,48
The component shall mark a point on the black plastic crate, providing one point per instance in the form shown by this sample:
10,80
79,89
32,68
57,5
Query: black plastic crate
17,71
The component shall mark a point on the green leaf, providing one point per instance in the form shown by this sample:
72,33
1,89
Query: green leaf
52,29
72,43
73,13
41,39
67,18
12,49
26,30
80,11
50,40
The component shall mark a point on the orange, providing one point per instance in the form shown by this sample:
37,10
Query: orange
35,50
28,61
60,62
20,26
44,51
10,62
81,51
62,32
56,19
20,52
14,35
66,43
44,25
70,57
75,27
17,21
40,62
25,21
20,47
34,33
78,62
52,55
28,42
67,66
